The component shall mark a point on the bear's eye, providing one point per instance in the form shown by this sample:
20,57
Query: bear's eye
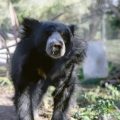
62,33
64,36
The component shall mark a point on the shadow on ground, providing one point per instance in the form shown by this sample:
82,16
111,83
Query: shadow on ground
7,113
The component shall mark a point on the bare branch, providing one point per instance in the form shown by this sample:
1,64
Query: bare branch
57,16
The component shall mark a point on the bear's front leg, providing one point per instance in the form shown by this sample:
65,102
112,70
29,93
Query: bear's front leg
61,102
23,105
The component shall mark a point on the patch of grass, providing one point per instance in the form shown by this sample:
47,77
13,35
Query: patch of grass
4,81
98,103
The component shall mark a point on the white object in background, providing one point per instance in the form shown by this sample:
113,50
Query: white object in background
95,64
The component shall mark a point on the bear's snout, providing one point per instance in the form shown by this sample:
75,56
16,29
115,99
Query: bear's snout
56,49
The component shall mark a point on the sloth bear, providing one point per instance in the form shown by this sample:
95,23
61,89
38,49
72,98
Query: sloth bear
47,55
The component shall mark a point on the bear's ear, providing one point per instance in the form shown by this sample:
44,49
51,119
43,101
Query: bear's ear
28,26
73,28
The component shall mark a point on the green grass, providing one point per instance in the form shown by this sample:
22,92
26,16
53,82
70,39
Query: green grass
98,103
4,81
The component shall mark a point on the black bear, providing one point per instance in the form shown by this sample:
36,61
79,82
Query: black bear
47,54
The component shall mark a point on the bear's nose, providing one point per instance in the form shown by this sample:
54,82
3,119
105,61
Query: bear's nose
56,49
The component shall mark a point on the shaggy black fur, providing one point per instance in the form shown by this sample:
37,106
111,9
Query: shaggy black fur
33,70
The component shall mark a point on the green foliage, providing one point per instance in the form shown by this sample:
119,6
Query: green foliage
68,11
81,75
4,18
15,1
113,18
4,81
98,104
113,26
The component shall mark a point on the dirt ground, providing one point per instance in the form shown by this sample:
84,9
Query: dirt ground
7,110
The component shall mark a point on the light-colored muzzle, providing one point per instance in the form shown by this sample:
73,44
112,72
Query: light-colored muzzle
55,46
